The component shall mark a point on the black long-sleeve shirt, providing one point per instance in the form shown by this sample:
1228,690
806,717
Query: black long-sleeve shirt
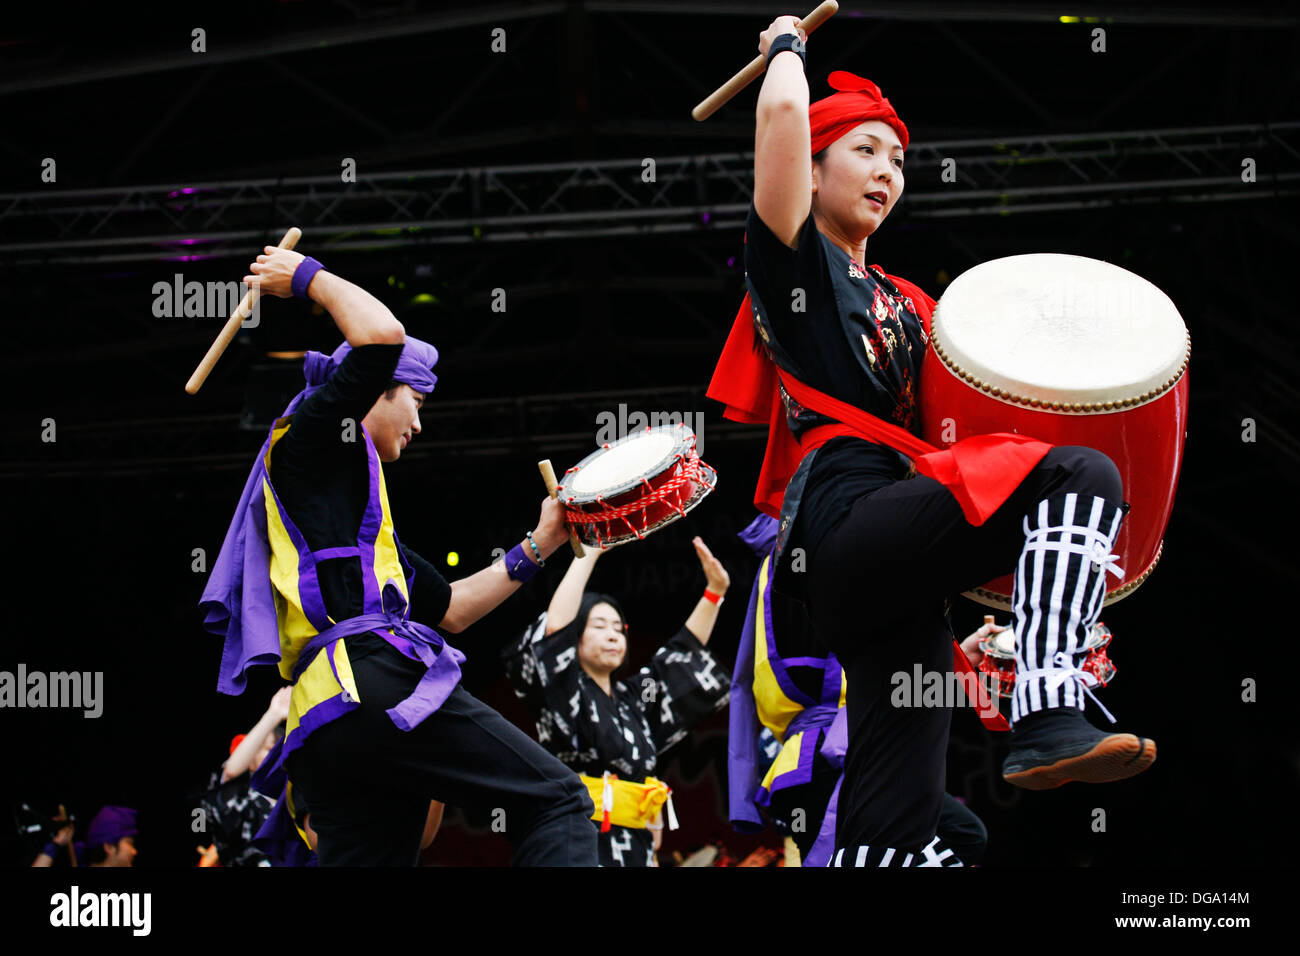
322,480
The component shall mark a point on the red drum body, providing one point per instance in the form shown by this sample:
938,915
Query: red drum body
999,663
635,485
1071,351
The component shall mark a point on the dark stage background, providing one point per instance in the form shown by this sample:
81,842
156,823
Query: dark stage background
618,292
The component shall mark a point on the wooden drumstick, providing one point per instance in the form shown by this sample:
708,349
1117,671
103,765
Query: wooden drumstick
548,475
758,66
242,311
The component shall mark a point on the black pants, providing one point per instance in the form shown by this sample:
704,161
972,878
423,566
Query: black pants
876,588
368,785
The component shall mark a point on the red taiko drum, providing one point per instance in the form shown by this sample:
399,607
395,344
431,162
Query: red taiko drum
633,486
1072,351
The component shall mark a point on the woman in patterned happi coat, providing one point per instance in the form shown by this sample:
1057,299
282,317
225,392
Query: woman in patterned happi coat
611,730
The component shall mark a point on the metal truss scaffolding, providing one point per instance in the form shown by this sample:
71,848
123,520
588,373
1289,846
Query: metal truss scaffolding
632,197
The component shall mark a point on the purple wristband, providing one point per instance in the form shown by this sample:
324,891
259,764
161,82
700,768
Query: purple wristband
51,850
518,565
303,275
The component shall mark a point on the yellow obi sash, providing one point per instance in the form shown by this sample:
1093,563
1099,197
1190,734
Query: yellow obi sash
629,804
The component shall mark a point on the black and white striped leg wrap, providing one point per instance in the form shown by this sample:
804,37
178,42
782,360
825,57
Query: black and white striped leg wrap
1059,588
936,853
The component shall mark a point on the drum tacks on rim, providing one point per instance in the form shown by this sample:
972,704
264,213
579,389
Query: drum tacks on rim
635,485
1071,351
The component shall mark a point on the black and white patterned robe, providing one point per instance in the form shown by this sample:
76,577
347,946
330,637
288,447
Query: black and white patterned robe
594,732
234,813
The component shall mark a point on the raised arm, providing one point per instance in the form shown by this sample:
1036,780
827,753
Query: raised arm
61,840
705,615
782,159
242,757
568,596
362,318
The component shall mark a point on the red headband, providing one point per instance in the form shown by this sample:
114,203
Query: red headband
857,101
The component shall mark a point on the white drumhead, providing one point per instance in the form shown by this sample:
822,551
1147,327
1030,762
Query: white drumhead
624,461
1006,641
1060,328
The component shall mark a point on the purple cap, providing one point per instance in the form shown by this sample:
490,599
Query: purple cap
110,825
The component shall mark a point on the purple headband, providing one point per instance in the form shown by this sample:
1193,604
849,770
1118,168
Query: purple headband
414,368
110,825
239,602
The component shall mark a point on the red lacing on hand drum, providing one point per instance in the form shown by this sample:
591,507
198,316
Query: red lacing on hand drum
687,473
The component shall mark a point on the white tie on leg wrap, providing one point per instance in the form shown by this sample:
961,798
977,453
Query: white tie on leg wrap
1096,547
1065,670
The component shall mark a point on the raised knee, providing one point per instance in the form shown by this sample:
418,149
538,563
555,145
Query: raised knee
1091,472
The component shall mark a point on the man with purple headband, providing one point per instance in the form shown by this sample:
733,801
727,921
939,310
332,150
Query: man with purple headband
110,841
312,577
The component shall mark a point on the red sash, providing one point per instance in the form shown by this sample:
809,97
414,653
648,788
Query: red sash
981,471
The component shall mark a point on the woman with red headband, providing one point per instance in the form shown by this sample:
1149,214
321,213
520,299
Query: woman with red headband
875,536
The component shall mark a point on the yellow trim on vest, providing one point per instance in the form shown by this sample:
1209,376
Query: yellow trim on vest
293,814
388,566
317,683
786,760
295,629
636,805
775,709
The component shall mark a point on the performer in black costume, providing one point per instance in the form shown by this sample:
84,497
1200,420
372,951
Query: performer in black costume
872,547
611,731
312,576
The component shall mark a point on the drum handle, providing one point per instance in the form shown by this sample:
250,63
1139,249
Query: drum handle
548,475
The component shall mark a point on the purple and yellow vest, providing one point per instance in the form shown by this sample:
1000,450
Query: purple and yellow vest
763,694
313,654
791,715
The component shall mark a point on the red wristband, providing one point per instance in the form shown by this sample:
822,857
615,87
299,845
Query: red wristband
711,597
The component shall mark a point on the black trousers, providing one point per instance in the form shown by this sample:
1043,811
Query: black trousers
876,589
368,785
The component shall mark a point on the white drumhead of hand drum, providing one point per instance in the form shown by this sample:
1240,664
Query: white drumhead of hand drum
1060,328
631,458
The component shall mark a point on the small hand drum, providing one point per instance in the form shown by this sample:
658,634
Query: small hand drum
1097,663
999,663
635,485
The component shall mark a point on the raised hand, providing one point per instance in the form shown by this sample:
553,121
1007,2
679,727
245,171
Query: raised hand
279,706
971,644
715,574
552,529
274,270
777,27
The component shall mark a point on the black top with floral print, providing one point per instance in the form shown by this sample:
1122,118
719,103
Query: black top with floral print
846,330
